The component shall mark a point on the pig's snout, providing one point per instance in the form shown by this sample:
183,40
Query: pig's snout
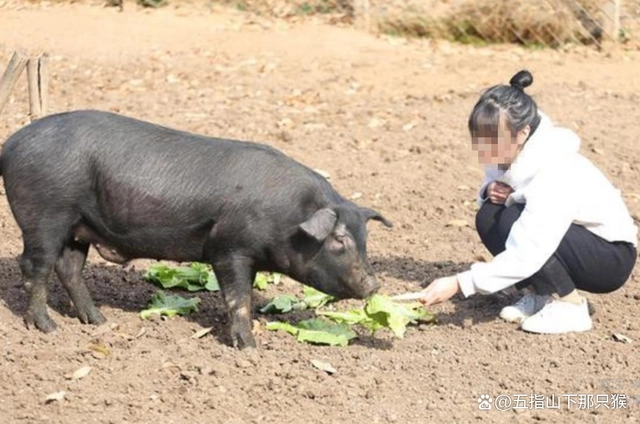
374,286
369,287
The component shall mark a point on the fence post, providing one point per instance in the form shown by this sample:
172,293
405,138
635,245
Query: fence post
362,14
10,76
35,110
43,82
38,75
611,24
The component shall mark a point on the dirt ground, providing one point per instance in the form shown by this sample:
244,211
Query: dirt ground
385,117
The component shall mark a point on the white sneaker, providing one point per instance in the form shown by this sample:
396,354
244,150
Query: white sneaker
559,317
524,308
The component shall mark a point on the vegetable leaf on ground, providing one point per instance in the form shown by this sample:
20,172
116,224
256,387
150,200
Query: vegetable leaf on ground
312,299
351,317
382,312
169,305
263,279
317,331
315,298
280,304
394,315
196,276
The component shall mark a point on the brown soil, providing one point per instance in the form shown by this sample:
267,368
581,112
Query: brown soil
386,118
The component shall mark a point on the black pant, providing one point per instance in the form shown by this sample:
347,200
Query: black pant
583,260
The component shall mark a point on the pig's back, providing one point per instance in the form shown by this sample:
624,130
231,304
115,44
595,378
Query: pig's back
131,156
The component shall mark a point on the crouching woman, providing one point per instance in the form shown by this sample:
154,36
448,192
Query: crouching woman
552,220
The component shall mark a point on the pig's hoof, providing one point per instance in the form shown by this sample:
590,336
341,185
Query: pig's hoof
243,342
247,345
41,321
92,316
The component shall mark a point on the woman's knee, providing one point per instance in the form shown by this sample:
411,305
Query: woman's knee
487,217
508,217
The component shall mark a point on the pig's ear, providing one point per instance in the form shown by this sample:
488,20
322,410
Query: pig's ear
375,215
321,223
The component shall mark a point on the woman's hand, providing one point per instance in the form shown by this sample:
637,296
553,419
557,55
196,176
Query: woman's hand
440,290
498,192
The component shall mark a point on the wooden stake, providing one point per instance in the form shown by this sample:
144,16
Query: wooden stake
35,109
10,76
43,82
611,24
362,15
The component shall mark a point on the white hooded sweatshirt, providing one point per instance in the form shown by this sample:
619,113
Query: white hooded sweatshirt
559,187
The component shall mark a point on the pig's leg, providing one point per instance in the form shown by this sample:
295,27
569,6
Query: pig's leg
236,276
69,269
36,264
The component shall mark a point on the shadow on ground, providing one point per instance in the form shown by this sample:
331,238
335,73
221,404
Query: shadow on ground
474,310
125,289
115,287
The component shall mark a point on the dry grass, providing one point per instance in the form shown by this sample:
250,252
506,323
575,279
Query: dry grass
546,22
529,22
288,8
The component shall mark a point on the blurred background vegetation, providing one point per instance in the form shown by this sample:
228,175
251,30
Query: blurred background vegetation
538,23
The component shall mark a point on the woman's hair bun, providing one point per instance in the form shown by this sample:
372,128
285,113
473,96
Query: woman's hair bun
521,80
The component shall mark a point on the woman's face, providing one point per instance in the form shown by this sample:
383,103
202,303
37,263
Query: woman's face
497,146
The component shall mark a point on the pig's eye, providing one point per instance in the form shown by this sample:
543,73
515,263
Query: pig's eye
338,244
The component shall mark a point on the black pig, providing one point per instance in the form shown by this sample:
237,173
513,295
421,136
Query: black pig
133,189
